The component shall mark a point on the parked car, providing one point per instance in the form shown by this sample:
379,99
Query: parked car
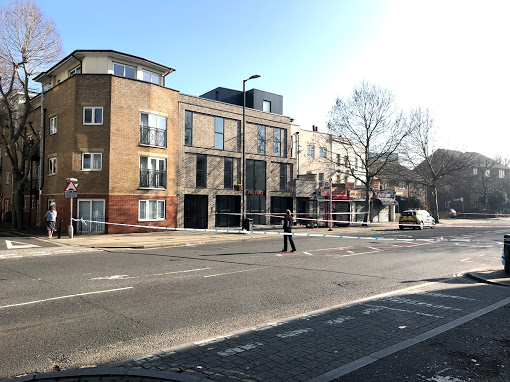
453,213
416,219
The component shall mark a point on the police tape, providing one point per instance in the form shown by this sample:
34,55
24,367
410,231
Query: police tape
242,231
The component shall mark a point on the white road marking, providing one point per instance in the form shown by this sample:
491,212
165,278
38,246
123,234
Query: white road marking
378,308
294,333
114,277
10,256
10,245
435,294
125,277
308,253
63,297
339,320
466,259
240,349
230,273
185,271
402,300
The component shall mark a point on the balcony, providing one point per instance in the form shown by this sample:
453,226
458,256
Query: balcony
153,179
152,136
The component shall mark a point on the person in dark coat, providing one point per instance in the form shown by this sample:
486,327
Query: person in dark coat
288,222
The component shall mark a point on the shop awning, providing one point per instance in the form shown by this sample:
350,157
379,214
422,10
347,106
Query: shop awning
385,201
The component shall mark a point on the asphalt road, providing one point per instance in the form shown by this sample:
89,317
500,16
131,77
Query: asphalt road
81,307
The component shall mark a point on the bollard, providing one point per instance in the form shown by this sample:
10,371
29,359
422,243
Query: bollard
60,228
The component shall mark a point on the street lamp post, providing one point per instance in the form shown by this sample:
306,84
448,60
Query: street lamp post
243,199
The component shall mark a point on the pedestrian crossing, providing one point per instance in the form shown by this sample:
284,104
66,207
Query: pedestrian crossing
42,252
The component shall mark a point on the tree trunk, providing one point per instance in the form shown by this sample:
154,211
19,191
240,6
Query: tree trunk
17,205
435,207
367,216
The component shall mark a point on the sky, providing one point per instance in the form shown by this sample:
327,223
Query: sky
451,57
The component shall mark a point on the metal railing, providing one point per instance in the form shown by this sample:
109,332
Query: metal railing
152,136
153,178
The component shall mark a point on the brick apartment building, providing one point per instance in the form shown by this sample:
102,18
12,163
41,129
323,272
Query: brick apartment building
145,154
210,170
108,121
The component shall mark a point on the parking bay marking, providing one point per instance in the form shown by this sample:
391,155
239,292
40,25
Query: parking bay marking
19,245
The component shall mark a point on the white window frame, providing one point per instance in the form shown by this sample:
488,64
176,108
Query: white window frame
125,66
147,217
93,115
501,174
310,151
7,177
53,125
402,185
91,161
51,202
152,74
52,166
475,171
322,152
487,173
74,71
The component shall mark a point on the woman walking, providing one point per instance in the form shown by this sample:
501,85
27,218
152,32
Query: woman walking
288,222
51,219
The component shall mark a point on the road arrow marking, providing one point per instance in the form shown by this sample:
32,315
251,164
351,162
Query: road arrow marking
10,245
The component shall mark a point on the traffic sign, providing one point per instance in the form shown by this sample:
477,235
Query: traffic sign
71,187
70,194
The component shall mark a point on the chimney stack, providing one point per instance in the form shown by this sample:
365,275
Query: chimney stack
314,128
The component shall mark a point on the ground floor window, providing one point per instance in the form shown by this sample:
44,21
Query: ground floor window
151,209
91,213
228,208
256,208
278,206
195,211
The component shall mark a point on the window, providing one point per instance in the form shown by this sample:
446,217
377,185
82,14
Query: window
201,176
52,166
283,176
321,179
152,130
261,140
93,115
502,174
228,173
151,209
310,151
322,152
266,106
51,202
53,125
152,172
6,206
401,185
188,128
7,177
151,77
91,161
487,173
74,71
277,141
338,159
218,133
124,70
475,171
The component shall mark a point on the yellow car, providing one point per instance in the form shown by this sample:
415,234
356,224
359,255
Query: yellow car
416,219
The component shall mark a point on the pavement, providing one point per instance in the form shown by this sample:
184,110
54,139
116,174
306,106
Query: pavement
453,330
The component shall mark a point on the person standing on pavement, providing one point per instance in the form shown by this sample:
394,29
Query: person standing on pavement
288,222
51,219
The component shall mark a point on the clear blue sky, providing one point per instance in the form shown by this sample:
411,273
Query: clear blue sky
449,56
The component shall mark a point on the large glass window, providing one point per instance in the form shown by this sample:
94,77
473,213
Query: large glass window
151,209
91,161
188,128
201,172
266,106
93,115
261,139
152,130
152,172
124,70
277,142
255,175
151,77
228,173
283,176
218,133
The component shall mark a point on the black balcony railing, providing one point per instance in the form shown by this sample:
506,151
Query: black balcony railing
152,136
153,178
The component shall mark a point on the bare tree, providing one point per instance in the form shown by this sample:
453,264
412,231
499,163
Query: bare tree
371,129
28,44
430,163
